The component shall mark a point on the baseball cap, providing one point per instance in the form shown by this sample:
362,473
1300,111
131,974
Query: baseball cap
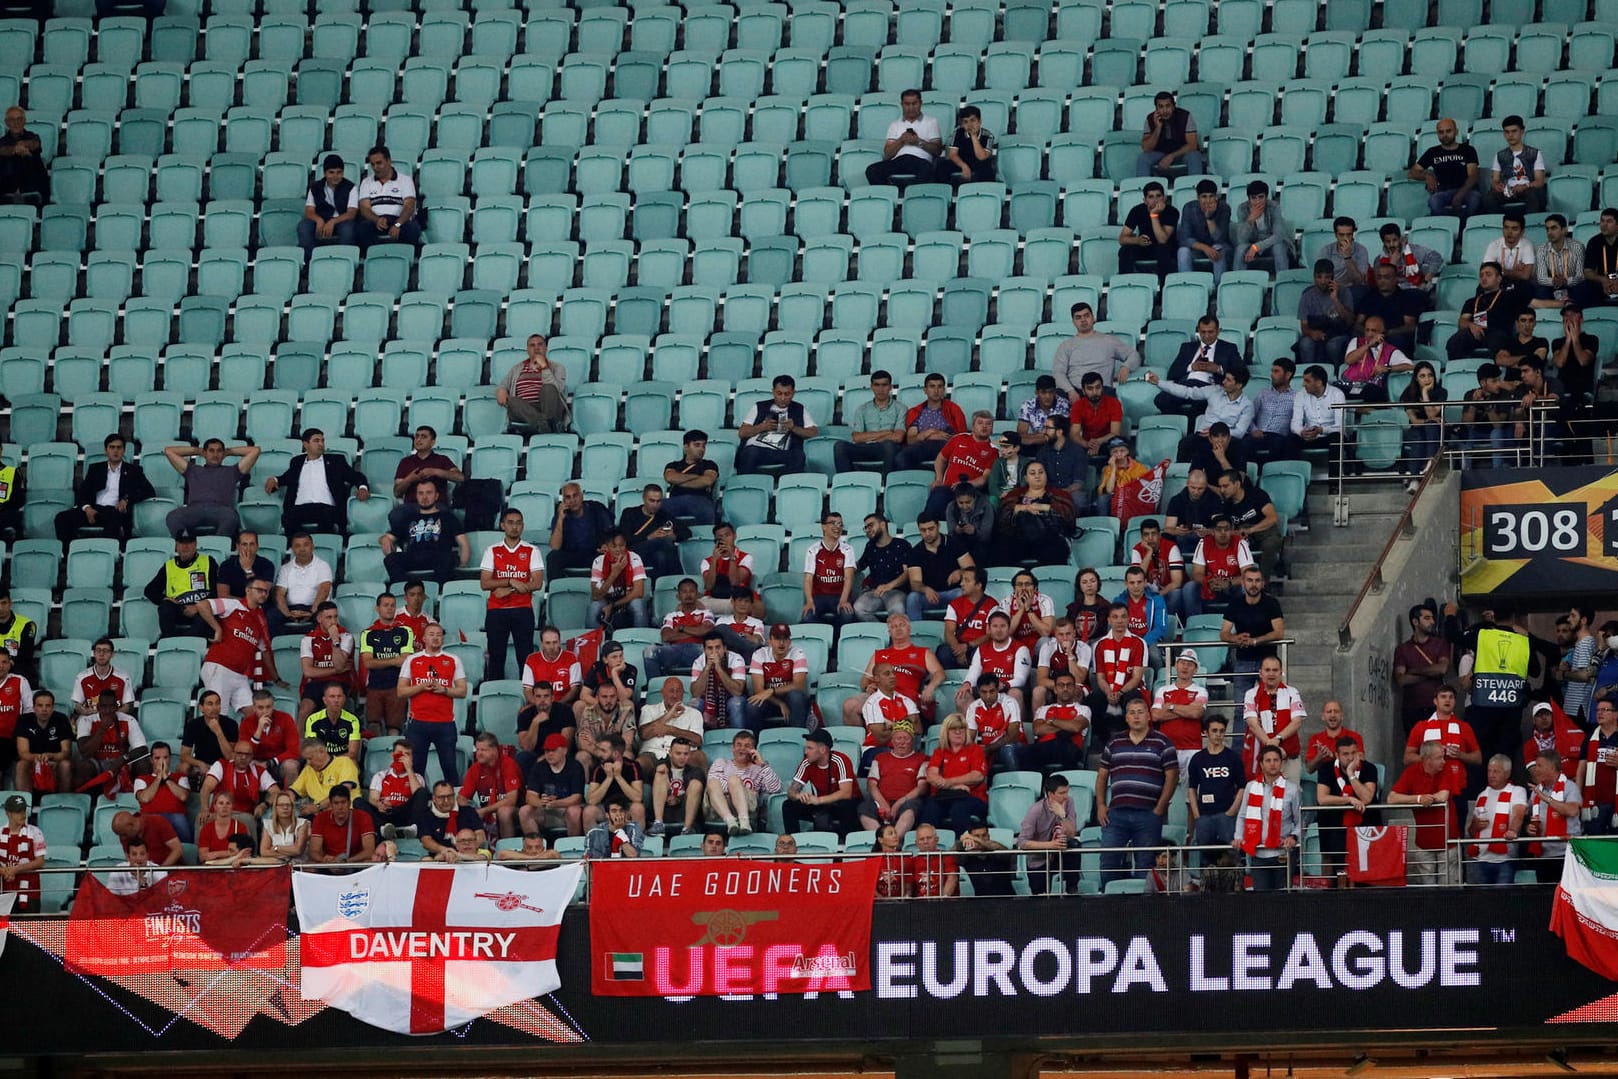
1543,706
333,161
781,629
556,741
184,536
18,804
1191,654
821,735
1114,443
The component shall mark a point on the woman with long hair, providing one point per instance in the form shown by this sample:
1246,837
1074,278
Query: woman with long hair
1089,608
1035,521
1424,401
286,835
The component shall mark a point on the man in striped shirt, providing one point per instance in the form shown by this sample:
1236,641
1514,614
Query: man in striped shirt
1134,785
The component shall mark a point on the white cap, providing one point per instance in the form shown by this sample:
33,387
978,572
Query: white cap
1191,654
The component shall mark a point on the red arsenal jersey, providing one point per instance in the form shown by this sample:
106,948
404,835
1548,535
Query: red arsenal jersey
967,458
971,619
485,785
244,636
15,695
512,564
560,672
828,568
424,668
909,668
1221,562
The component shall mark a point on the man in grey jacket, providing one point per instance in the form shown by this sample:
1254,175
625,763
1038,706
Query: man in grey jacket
1259,231
1204,230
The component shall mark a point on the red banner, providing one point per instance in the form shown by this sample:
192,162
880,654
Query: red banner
721,927
1377,855
184,921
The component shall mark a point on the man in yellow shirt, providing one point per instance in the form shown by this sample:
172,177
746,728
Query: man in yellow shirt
322,772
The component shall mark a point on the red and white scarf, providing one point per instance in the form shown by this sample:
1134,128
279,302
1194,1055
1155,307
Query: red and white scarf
1259,820
1499,825
1449,736
1552,825
1345,786
1592,769
1270,720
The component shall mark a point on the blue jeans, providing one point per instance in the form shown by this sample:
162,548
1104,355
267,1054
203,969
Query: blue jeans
916,603
1489,436
659,659
698,509
1187,260
1137,828
1246,671
640,612
1328,352
441,735
759,716
1146,163
1269,874
1491,872
735,712
342,233
1212,829
1420,446
182,826
826,611
1442,202
1185,601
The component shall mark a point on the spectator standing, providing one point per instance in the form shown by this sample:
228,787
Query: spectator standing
1498,813
1214,776
1251,624
511,572
1420,666
1135,783
1274,714
240,648
1271,828
432,681
383,646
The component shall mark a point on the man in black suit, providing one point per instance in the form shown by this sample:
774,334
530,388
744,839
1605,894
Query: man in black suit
1202,361
316,488
105,498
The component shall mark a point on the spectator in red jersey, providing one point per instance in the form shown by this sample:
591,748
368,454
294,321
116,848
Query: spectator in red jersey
727,571
1035,520
1434,789
741,630
1119,670
1051,829
677,791
1452,733
957,778
779,676
208,738
966,620
512,572
1032,613
165,792
892,882
554,665
930,425
916,671
274,736
682,633
107,742
719,685
414,617
1322,746
934,568
1550,731
933,874
996,721
432,681
895,783
884,708
44,747
240,647
326,654
1089,607
1274,713
22,855
615,781
822,793
1216,569
829,569
492,787
342,833
247,781
1059,728
100,675
966,458
214,835
618,586
1178,707
1001,656
161,842
1163,564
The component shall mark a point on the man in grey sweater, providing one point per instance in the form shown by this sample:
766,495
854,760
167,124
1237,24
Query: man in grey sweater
1087,351
1259,231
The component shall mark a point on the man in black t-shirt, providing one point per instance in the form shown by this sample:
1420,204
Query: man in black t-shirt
45,747
537,723
970,154
1213,777
691,481
1575,356
1600,285
1190,513
934,566
232,574
1253,515
438,818
1400,309
1251,625
1339,783
615,781
553,797
1146,243
1450,171
1489,318
424,536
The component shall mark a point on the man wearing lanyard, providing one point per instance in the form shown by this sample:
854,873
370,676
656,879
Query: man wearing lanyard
1559,261
1600,283
1489,317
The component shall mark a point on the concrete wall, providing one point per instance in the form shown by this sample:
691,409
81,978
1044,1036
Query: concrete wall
1419,565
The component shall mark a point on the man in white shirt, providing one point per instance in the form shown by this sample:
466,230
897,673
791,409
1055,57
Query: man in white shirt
1498,813
387,203
316,487
136,874
663,720
1512,250
302,584
913,144
1315,423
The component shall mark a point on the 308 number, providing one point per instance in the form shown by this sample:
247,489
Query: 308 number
1524,531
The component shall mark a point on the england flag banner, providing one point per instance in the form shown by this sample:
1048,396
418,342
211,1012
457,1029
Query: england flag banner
420,949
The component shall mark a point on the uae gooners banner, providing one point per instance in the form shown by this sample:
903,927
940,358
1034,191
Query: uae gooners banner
1586,912
721,927
183,921
421,949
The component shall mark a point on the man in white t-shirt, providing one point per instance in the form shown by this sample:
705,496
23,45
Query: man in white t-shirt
302,583
913,144
387,203
663,720
1498,813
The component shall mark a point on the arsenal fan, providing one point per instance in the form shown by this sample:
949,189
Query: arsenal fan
1059,728
676,792
611,668
616,836
44,747
16,697
384,646
553,664
1451,732
1252,623
1216,568
432,681
107,741
933,874
165,792
1274,713
394,790
1164,565
136,873
966,620
618,585
609,715
1212,780
326,654
727,570
895,783
414,616
829,569
214,835
737,784
275,739
916,671
892,882
682,633
22,856
554,798
884,707
1119,670
1031,612
616,780
1551,730
342,833
335,725
100,675
1322,745
664,721
999,655
1554,804
1434,789
492,787
957,778
779,673
1270,825
285,835
208,737
996,720
1062,652
966,458
248,782
1148,614
1050,829
241,647
742,632
1599,778
1178,707
439,817
1498,814
719,684
1089,608
822,792
511,572
1349,783
158,835
322,773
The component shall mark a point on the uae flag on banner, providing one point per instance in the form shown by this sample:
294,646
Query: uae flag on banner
185,921
1586,912
1377,855
698,927
423,949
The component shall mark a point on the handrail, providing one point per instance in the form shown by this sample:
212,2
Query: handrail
1403,528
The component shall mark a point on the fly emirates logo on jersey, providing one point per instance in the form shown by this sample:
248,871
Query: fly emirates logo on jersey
1263,962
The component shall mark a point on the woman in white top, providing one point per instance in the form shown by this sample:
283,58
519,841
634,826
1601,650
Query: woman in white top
286,836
